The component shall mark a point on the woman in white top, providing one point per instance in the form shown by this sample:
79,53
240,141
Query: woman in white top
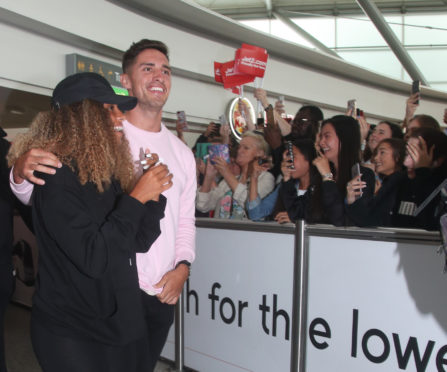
228,198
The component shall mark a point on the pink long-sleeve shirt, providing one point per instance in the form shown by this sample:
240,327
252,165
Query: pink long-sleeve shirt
177,239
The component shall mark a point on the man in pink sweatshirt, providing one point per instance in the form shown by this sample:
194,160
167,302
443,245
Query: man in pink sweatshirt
163,270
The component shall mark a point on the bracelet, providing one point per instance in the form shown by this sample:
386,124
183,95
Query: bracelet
269,107
328,177
363,145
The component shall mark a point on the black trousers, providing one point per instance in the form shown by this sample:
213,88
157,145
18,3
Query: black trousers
159,318
6,289
58,353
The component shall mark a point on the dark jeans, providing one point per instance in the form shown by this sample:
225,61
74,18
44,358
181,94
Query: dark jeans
159,318
6,290
59,353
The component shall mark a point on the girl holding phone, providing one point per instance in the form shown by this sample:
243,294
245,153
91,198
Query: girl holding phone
338,147
388,158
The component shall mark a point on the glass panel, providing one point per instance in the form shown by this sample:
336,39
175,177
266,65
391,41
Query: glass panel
383,62
424,35
432,63
322,29
361,32
278,29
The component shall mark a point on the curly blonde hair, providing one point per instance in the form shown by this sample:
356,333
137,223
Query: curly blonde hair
81,135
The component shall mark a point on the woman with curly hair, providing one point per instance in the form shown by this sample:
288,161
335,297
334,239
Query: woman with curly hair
90,220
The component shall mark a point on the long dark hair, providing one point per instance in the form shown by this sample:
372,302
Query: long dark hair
315,210
348,132
398,148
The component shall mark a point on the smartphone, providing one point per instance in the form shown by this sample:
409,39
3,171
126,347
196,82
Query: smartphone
181,117
216,130
355,173
223,119
290,154
262,161
416,88
352,106
219,150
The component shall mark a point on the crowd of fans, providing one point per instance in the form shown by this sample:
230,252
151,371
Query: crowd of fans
340,171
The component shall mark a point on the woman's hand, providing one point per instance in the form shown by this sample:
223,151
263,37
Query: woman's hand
254,169
411,106
282,217
200,166
354,189
364,127
210,170
221,166
224,132
210,129
322,164
421,156
280,108
261,95
152,183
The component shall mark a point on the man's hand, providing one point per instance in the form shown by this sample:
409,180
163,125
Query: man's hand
172,283
35,160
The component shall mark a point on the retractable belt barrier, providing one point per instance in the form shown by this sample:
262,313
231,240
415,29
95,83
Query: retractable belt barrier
269,297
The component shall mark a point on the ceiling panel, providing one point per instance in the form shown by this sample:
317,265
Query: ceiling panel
250,9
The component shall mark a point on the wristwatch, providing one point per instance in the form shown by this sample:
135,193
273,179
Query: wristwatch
187,263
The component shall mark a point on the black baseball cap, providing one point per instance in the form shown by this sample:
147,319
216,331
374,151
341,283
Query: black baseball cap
89,85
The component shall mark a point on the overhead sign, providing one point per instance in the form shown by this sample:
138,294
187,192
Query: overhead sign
76,63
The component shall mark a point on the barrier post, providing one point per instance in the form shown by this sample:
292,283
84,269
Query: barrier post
299,304
179,336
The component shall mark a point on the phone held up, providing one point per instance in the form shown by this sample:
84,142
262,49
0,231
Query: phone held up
290,154
355,172
181,117
416,88
352,107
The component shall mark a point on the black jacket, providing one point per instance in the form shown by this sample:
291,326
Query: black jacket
412,194
6,215
333,202
87,285
378,210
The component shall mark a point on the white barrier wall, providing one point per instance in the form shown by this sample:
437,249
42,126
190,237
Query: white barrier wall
238,302
372,305
375,306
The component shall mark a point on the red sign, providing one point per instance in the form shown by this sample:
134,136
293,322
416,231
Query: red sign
251,60
231,78
217,72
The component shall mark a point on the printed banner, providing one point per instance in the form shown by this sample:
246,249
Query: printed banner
231,78
251,60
